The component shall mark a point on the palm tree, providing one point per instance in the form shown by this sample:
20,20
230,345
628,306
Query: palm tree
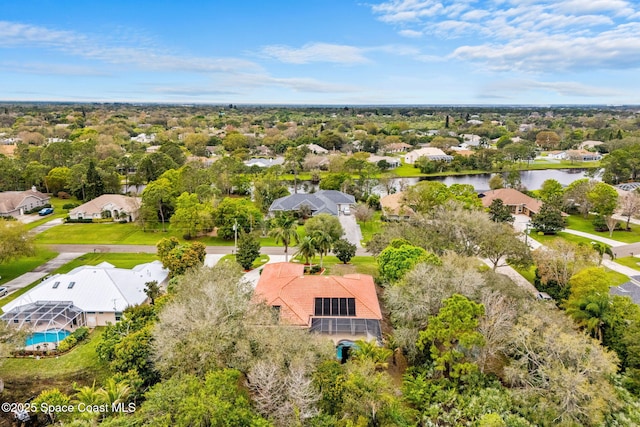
114,392
307,248
370,351
284,231
589,312
602,249
323,243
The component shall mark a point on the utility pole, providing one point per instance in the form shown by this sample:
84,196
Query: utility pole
235,234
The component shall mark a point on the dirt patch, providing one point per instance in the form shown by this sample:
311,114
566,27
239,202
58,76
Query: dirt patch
342,269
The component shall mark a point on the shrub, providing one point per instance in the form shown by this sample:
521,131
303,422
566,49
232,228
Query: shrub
315,269
63,195
67,344
78,221
69,206
81,333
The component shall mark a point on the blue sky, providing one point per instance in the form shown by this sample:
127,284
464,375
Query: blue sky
338,52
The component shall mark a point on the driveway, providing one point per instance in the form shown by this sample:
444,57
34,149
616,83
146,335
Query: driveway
41,271
47,225
352,230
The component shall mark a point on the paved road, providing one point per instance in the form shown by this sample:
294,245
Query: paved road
352,230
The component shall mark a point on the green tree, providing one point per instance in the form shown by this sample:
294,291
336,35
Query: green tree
152,290
453,335
323,243
283,230
235,211
399,258
215,400
551,192
58,179
190,216
94,185
496,182
603,198
52,398
549,220
498,242
153,165
499,212
333,181
248,250
307,248
158,201
326,223
15,241
179,258
577,195
344,250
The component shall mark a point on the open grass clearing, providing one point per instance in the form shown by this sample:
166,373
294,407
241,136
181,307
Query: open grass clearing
259,262
371,227
358,264
629,261
17,267
546,239
27,377
579,223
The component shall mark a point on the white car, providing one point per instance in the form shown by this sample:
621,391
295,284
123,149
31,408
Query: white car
346,211
3,291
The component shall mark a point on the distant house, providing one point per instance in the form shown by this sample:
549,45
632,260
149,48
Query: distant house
393,162
393,207
583,155
15,203
86,296
557,155
471,140
432,153
344,307
265,163
397,147
315,148
324,201
144,138
519,202
114,206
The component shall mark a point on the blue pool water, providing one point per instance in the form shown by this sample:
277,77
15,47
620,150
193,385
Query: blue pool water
53,335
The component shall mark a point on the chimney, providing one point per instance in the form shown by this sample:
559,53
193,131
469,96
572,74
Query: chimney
33,188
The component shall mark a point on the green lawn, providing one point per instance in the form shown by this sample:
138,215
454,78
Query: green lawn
259,262
579,223
26,377
15,268
616,278
629,261
358,264
125,234
371,227
561,235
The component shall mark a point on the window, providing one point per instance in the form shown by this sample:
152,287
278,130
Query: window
335,307
71,285
118,315
55,285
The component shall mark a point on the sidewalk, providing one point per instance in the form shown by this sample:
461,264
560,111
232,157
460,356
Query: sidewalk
610,242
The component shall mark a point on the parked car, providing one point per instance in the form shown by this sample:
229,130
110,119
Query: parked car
3,291
346,211
45,211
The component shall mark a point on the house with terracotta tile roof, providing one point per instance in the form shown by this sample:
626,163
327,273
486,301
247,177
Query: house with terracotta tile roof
394,208
15,203
519,203
343,307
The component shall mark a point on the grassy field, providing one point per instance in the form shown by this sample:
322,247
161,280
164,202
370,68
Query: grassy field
579,223
629,261
615,277
546,239
26,377
371,227
259,262
15,268
358,264
125,234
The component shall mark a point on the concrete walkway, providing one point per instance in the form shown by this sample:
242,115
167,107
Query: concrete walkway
41,271
48,225
610,242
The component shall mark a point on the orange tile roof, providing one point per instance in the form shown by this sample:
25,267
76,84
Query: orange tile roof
511,197
284,284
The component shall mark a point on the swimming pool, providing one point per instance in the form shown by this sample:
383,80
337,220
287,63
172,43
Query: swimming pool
52,335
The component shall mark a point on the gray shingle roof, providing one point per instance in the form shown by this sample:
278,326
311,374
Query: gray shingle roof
628,289
323,201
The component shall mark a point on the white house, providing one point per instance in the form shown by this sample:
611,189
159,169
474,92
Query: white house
431,153
114,206
86,296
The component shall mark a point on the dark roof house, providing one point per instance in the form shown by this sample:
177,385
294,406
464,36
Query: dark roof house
324,201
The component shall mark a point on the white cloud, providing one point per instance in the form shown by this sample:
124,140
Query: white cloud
14,35
49,68
316,52
411,33
511,87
